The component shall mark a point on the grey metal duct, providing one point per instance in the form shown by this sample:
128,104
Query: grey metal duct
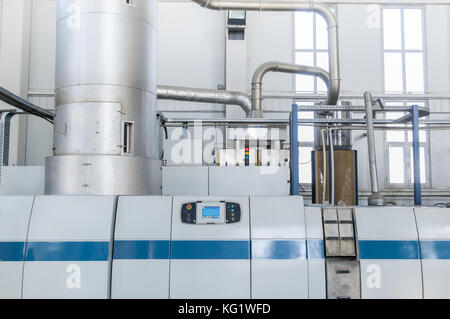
16,101
286,68
205,95
324,11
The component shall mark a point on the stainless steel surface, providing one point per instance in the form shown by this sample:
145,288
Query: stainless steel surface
375,199
205,96
16,101
106,175
284,68
324,11
105,86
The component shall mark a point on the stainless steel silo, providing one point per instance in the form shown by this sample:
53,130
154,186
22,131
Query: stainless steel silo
105,125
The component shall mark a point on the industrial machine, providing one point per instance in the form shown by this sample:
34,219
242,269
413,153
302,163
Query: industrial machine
219,247
234,229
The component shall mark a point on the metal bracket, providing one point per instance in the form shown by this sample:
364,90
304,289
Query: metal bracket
5,122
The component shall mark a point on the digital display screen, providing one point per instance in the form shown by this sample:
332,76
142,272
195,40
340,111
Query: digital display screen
211,212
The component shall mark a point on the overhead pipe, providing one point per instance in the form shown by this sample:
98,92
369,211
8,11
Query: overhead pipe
324,11
16,101
286,68
205,96
376,199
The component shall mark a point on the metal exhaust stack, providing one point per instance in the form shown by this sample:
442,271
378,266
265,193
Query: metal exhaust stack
105,123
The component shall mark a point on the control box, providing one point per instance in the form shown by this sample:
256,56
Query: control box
203,212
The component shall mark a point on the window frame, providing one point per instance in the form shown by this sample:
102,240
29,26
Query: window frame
315,51
406,145
407,157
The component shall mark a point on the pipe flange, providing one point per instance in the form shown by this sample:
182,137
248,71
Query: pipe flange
376,199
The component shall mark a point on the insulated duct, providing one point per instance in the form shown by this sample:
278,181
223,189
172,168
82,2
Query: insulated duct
285,68
205,96
324,11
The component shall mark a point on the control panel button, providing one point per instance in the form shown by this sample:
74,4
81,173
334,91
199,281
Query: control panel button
233,214
189,213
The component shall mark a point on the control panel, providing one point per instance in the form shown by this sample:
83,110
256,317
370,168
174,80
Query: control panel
210,213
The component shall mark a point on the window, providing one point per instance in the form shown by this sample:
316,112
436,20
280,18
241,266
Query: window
403,50
311,48
404,72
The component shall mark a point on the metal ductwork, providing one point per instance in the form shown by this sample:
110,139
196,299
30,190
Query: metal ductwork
324,11
205,96
105,134
16,101
286,68
375,199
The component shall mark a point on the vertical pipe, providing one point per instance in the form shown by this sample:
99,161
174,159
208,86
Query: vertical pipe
294,151
331,169
376,199
416,155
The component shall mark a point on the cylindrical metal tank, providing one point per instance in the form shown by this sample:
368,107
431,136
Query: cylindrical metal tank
105,125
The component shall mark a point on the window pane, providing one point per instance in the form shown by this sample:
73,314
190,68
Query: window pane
414,72
392,29
305,165
423,173
304,58
422,136
321,33
394,136
396,165
304,83
322,62
413,29
304,30
393,72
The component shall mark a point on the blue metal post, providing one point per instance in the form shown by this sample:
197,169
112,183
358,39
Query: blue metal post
416,156
294,150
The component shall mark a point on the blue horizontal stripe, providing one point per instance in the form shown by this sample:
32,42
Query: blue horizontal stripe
388,249
141,249
261,249
279,249
316,249
67,251
435,249
210,250
12,251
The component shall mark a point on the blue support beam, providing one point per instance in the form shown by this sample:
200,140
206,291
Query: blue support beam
416,156
293,130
